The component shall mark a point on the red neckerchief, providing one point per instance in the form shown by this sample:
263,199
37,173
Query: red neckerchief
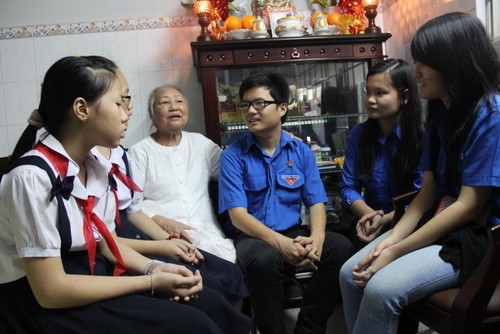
89,219
60,163
115,171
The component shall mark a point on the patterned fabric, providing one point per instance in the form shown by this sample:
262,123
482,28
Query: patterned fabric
444,202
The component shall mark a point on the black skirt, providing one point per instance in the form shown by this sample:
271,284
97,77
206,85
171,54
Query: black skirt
210,313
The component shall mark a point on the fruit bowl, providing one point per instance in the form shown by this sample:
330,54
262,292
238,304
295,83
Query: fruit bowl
238,34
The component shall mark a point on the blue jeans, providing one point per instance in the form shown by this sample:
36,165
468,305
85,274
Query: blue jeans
376,307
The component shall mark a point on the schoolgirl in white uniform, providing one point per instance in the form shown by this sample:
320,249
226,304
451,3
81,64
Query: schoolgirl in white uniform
62,275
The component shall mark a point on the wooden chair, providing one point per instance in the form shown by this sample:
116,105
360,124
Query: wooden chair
472,308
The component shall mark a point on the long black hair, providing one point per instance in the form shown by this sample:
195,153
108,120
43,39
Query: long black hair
89,77
407,157
457,46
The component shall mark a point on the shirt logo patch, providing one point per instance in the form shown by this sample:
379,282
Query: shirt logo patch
290,179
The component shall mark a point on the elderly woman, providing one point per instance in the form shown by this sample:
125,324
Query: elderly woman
177,166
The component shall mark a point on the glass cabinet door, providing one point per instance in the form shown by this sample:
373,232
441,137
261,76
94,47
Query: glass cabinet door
326,101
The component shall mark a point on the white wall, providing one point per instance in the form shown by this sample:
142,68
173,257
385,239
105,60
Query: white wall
148,39
404,17
38,12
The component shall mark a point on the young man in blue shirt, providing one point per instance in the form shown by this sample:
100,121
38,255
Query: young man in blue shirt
265,177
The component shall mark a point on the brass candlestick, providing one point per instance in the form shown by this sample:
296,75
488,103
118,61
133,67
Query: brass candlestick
203,9
370,13
204,21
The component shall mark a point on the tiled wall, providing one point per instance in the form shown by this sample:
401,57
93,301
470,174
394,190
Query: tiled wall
150,51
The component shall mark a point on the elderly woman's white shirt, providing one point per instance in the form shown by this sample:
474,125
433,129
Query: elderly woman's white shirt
176,187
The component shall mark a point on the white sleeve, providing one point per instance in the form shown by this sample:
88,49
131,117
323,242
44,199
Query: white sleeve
138,153
31,213
213,155
138,178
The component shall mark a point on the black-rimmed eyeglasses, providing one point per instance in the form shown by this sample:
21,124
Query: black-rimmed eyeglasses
257,104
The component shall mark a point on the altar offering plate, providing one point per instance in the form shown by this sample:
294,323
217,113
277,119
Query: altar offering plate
259,34
238,34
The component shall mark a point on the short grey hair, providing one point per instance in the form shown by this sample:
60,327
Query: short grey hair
152,99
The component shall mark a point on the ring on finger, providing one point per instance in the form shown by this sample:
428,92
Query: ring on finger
367,276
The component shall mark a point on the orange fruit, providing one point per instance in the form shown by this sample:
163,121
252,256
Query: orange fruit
333,18
247,21
314,15
232,23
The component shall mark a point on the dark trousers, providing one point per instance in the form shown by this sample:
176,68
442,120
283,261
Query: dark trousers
265,272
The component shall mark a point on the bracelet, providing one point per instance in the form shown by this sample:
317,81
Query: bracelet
150,266
170,237
152,285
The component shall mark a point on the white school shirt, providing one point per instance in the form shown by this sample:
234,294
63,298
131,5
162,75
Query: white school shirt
176,187
125,199
28,219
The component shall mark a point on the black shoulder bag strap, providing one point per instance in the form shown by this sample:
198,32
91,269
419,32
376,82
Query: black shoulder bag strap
61,189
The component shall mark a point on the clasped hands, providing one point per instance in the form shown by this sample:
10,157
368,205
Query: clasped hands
177,282
380,256
302,252
180,246
369,226
181,250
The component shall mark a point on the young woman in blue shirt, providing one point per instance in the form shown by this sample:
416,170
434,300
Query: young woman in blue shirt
460,163
383,153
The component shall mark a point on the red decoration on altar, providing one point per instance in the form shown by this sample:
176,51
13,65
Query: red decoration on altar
216,28
221,8
353,20
352,6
